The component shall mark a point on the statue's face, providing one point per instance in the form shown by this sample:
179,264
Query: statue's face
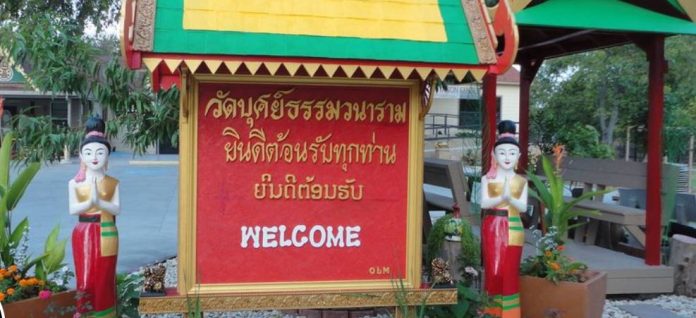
94,155
507,155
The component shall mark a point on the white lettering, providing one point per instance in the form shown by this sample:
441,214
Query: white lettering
269,236
313,237
283,241
295,231
318,236
250,233
334,240
353,236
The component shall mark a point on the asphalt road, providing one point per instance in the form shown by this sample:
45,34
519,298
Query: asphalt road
149,202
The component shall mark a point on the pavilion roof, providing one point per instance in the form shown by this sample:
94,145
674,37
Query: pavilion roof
550,28
605,15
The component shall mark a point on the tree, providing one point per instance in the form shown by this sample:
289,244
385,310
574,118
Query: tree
607,89
60,58
98,13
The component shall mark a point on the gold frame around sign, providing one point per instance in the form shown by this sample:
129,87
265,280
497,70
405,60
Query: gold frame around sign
219,303
188,179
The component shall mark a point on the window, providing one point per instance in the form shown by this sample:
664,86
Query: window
59,113
470,111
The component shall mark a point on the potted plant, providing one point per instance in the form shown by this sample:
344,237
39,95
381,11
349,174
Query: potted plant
467,268
548,277
21,277
551,275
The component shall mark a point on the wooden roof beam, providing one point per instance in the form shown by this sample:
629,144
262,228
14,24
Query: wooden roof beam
556,40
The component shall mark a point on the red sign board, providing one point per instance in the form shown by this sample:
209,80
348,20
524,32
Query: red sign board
301,182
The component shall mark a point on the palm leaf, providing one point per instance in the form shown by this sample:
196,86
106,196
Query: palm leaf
51,239
31,264
539,190
3,227
20,184
18,233
548,171
54,259
572,226
5,151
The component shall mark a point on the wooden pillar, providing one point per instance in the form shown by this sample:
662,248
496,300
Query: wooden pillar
527,73
488,120
657,69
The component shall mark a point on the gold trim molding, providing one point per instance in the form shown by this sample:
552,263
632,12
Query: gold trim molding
478,25
144,25
309,69
178,304
427,96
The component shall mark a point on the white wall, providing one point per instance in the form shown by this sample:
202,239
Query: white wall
448,103
510,97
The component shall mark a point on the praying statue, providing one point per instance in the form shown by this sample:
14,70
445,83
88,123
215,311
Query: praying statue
93,196
504,196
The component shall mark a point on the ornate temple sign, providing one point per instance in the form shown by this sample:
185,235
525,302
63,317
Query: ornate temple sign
304,185
301,141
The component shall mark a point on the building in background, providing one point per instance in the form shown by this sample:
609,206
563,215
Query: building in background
453,125
460,105
65,110
20,96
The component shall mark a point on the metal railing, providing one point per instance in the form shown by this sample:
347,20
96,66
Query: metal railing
447,126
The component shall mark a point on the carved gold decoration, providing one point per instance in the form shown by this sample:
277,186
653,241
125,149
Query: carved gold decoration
478,26
427,96
178,304
6,72
143,35
152,64
275,67
184,94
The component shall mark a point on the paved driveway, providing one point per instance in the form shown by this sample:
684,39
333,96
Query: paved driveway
148,221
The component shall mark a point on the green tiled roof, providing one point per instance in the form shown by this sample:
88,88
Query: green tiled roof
170,36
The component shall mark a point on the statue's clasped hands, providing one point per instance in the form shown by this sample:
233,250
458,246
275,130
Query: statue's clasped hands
507,194
95,194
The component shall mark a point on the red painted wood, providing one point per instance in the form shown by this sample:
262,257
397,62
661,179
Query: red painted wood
657,70
169,80
136,61
525,85
127,46
156,79
488,119
230,199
